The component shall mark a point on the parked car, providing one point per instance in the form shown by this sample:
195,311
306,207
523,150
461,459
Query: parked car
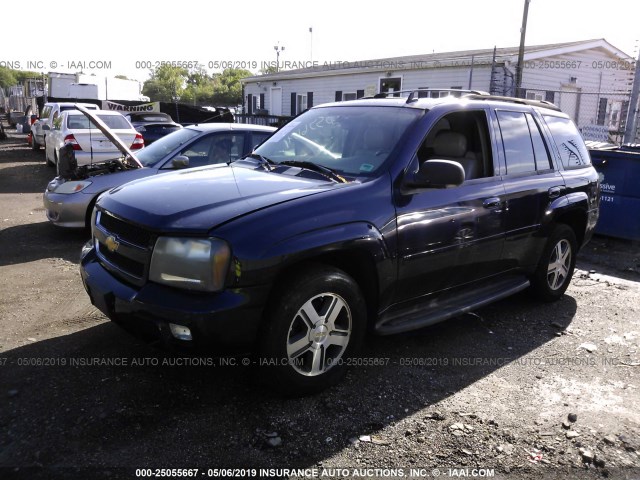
50,112
89,144
388,213
69,201
152,125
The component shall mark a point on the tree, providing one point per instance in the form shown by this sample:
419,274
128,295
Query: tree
200,87
165,83
7,77
196,86
268,70
229,89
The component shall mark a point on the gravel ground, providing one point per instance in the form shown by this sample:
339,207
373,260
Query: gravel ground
515,390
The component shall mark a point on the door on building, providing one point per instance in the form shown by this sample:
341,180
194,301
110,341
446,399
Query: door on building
570,101
276,101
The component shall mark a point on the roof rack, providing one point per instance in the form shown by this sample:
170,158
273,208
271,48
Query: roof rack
469,95
412,93
522,101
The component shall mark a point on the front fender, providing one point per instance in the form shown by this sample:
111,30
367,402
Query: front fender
343,242
360,235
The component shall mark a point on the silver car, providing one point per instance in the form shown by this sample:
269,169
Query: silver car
69,198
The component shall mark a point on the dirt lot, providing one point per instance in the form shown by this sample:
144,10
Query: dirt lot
486,393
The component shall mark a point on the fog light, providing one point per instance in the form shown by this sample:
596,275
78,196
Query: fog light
180,332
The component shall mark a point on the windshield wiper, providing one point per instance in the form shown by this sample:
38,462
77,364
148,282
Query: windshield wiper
264,161
326,171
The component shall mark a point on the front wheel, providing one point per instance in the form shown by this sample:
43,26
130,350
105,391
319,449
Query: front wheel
556,265
312,331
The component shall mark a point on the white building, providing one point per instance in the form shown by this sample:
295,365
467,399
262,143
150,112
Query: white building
589,80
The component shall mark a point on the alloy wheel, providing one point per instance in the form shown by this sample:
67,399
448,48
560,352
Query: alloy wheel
319,334
559,264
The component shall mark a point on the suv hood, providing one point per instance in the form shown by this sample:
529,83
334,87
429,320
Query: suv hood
197,200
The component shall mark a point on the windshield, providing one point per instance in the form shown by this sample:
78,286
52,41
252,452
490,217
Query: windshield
354,141
159,149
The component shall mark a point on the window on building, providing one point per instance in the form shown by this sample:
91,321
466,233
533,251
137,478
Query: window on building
534,96
349,96
602,110
301,102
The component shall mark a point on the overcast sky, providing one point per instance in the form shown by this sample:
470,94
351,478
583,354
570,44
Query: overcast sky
126,33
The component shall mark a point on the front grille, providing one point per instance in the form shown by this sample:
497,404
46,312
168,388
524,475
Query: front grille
125,231
126,264
123,248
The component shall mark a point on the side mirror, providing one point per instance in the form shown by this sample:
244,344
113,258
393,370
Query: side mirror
46,127
180,162
437,174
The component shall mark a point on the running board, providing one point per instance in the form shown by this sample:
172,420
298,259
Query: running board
447,305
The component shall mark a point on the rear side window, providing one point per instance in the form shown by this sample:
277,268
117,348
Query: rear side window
524,147
516,140
543,161
571,147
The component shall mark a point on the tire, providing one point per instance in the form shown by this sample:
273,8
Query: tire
34,145
87,217
46,156
316,324
555,269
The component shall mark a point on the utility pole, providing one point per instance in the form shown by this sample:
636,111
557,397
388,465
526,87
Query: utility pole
278,49
523,32
632,115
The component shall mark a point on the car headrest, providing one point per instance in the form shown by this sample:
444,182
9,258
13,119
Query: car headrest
450,144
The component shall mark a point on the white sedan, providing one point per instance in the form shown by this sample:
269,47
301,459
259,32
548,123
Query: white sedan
89,143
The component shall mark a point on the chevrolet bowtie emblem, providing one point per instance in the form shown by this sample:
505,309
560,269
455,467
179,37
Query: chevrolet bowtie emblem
111,243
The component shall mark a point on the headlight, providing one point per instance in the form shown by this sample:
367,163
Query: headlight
72,187
190,263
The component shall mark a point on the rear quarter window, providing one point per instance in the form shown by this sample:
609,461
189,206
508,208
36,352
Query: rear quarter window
571,147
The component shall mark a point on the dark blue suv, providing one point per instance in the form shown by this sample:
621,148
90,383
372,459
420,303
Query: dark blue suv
387,214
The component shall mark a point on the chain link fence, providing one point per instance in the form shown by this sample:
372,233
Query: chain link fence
601,116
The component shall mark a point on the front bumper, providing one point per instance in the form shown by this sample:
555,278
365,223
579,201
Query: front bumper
228,320
67,210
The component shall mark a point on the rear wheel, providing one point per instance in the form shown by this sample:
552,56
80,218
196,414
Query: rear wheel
34,145
50,162
316,325
556,265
